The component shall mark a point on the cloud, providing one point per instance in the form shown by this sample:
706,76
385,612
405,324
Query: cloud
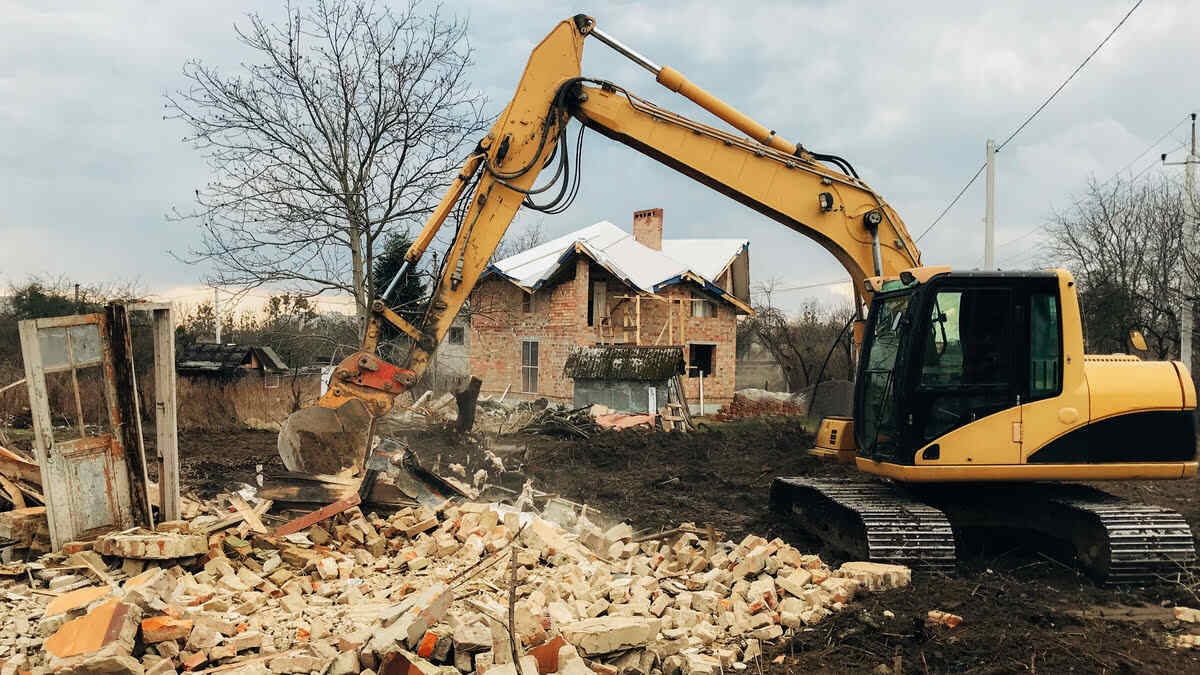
908,92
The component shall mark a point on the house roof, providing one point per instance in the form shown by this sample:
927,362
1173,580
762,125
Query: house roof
214,358
641,267
620,362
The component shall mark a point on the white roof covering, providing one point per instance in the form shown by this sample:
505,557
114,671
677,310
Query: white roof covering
706,257
617,251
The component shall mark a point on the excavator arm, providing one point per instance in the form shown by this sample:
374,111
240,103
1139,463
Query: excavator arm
762,170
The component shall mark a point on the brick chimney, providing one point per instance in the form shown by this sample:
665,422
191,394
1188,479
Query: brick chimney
647,228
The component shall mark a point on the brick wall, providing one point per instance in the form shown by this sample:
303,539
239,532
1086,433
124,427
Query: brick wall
559,321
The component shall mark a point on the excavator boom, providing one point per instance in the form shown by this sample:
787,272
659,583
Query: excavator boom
764,171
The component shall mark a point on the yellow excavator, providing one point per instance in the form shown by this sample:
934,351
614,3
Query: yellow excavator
973,393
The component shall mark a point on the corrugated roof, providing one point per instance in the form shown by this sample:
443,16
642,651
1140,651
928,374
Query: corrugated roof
616,250
207,357
622,362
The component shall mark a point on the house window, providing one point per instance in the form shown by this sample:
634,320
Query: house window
700,360
271,381
703,308
457,335
598,303
527,303
529,366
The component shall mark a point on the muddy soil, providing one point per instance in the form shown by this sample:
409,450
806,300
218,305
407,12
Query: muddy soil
1024,605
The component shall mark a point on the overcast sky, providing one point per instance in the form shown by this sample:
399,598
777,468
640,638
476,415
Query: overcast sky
907,91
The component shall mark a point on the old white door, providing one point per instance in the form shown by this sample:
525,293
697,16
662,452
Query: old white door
84,475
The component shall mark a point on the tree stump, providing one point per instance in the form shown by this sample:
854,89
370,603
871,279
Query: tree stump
466,400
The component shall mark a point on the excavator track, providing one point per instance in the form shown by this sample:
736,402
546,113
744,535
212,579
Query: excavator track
873,520
1116,542
1131,543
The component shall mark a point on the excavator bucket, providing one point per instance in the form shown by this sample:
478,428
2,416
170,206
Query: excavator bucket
324,440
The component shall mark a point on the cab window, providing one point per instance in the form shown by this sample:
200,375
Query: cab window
1045,346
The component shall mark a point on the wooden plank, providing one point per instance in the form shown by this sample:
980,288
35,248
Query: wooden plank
316,493
165,413
637,329
149,306
320,514
234,519
90,562
125,403
43,433
14,493
248,513
316,477
17,467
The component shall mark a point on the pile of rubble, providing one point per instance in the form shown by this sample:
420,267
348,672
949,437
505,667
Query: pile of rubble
465,588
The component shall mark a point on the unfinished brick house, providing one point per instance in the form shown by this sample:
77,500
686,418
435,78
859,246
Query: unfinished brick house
602,285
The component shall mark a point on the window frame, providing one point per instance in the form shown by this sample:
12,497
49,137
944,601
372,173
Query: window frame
699,301
530,368
462,336
712,358
1027,392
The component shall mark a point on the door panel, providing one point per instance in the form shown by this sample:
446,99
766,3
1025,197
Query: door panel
966,395
84,475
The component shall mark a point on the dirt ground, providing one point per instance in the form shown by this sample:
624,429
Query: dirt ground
1025,607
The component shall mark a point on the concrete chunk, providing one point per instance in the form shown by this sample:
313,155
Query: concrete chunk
152,546
162,628
109,629
876,576
604,635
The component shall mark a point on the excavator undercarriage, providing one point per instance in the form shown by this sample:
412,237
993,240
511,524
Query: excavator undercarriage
1115,541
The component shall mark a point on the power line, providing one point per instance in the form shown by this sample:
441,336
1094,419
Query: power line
1071,76
1036,229
805,287
952,202
1150,147
1029,119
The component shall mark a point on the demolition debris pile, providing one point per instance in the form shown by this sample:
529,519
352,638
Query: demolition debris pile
434,589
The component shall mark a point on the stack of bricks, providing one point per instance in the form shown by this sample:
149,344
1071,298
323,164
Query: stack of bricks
430,588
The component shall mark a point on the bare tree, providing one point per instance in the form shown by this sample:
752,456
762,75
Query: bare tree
801,341
515,241
349,125
1122,240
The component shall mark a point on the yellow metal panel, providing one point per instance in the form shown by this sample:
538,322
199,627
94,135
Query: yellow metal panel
1120,386
1185,382
1029,472
1043,421
836,433
987,440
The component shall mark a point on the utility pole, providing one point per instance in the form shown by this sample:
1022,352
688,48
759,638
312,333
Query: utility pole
1186,320
989,213
217,313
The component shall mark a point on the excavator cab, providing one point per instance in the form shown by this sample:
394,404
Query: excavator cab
940,354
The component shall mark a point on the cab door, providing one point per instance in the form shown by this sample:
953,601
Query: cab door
967,385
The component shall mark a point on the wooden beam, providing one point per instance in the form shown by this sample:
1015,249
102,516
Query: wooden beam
165,413
247,513
16,467
129,426
230,521
14,493
637,329
304,522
